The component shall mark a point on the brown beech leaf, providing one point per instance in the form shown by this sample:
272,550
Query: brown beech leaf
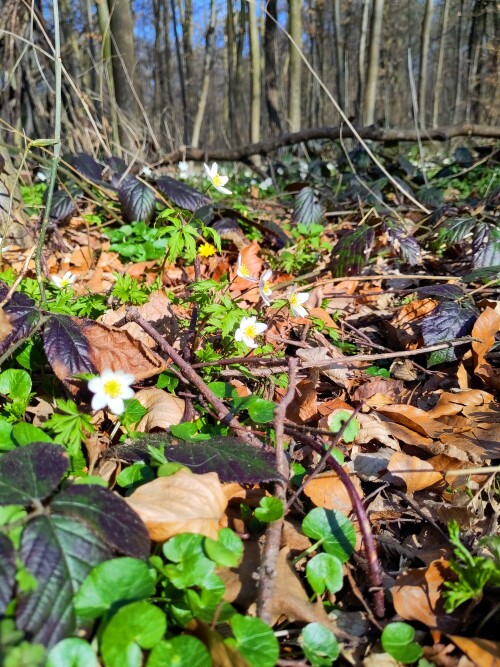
251,260
328,491
413,418
182,503
482,652
157,311
378,392
164,409
418,596
118,350
221,654
305,405
452,403
5,325
316,357
411,472
486,327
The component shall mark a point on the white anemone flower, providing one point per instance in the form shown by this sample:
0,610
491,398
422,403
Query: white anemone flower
249,328
243,271
110,388
216,179
296,299
2,247
264,287
68,279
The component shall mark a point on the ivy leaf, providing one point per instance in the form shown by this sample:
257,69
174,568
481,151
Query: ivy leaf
7,572
351,252
137,199
182,194
31,473
59,552
447,321
110,517
307,208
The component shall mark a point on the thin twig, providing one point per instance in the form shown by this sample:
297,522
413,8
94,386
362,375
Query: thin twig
270,553
223,413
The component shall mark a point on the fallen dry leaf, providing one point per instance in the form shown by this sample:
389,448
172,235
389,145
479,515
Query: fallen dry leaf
482,652
316,357
413,418
485,329
411,472
164,409
328,491
221,654
405,326
5,326
304,407
417,596
182,503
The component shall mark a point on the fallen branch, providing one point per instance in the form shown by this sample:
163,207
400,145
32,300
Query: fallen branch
242,153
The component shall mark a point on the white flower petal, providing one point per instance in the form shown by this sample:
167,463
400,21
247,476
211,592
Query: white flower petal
116,405
301,297
249,342
238,335
299,311
99,401
95,385
128,392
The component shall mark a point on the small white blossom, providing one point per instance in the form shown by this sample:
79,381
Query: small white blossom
266,183
242,270
2,247
264,287
110,388
249,328
216,179
296,299
146,171
68,279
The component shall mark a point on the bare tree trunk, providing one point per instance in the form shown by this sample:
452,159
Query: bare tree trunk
209,52
363,40
373,63
180,69
438,86
457,108
477,31
424,61
187,48
107,68
270,73
255,70
295,66
340,49
124,63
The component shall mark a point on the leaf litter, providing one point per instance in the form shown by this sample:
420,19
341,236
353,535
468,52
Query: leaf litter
413,361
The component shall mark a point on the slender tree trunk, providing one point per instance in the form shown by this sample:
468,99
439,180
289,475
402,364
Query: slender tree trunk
340,50
295,66
255,70
373,63
209,52
424,61
363,40
477,32
124,63
438,87
270,73
187,48
107,68
459,73
182,81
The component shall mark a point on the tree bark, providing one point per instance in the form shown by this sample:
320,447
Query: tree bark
255,70
438,87
373,62
340,50
363,40
209,52
270,73
124,63
424,62
295,65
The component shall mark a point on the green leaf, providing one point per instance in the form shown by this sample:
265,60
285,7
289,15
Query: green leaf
179,547
182,651
135,475
339,420
31,473
137,626
227,551
324,571
15,383
319,645
269,509
26,654
113,584
6,441
24,434
134,412
335,531
72,652
255,640
397,640
262,411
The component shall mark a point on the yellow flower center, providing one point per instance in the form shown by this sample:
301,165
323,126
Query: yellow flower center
244,270
266,288
64,282
113,388
294,300
250,331
217,180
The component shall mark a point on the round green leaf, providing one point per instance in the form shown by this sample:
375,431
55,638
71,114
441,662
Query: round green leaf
262,411
339,419
138,625
227,551
72,652
255,640
15,383
270,509
182,651
24,434
114,583
397,639
334,530
325,571
181,546
319,645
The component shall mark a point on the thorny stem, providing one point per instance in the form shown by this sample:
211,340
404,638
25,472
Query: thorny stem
223,413
374,568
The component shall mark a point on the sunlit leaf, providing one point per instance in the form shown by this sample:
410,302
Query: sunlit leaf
448,321
308,210
137,199
182,194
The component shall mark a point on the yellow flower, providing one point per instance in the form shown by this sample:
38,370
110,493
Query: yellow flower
207,250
